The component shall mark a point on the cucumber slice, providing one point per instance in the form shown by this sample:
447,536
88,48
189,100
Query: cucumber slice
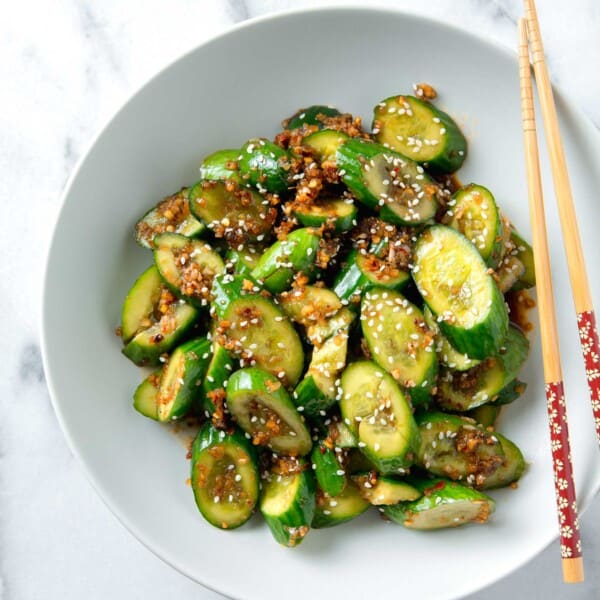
141,303
511,470
462,391
226,288
170,215
146,348
244,260
380,490
400,341
311,115
357,462
325,143
263,409
485,415
221,165
341,435
524,253
376,410
511,392
278,265
387,181
236,213
319,333
421,131
453,279
265,165
254,329
472,210
335,510
364,271
181,378
309,304
459,449
218,371
329,469
443,504
447,354
225,477
508,273
339,215
187,267
145,397
287,504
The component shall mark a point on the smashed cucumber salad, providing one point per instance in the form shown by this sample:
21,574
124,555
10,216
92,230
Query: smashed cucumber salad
332,307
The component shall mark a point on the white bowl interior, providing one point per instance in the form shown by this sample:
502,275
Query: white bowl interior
238,86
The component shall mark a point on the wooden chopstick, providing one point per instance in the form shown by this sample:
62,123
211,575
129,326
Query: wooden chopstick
566,503
580,287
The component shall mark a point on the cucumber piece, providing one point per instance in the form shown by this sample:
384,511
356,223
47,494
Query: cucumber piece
311,115
511,392
357,462
145,397
244,260
400,341
141,303
146,348
386,181
335,510
447,354
462,391
287,504
254,329
459,449
524,253
263,409
376,410
221,165
226,288
508,273
218,371
443,504
181,378
453,279
187,267
421,131
319,333
278,265
265,165
338,214
380,490
473,211
170,215
309,304
511,470
364,271
485,415
325,143
329,470
341,435
231,211
225,478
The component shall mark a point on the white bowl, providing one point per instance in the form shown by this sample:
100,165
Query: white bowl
239,85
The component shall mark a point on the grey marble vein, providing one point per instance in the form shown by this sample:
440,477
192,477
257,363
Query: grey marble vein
238,10
30,365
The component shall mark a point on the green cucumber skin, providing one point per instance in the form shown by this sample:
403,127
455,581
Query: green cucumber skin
511,392
433,496
454,152
401,488
143,352
513,468
485,415
327,470
218,371
265,165
145,397
242,262
348,158
209,436
312,400
310,116
214,166
330,516
524,252
255,380
227,289
340,223
299,515
148,284
299,251
351,282
325,143
195,353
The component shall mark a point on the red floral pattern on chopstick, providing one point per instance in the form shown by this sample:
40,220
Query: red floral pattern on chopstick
588,334
566,499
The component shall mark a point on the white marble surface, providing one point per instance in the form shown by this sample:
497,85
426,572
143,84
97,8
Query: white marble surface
65,66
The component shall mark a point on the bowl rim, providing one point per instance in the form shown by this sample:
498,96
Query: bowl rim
231,30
